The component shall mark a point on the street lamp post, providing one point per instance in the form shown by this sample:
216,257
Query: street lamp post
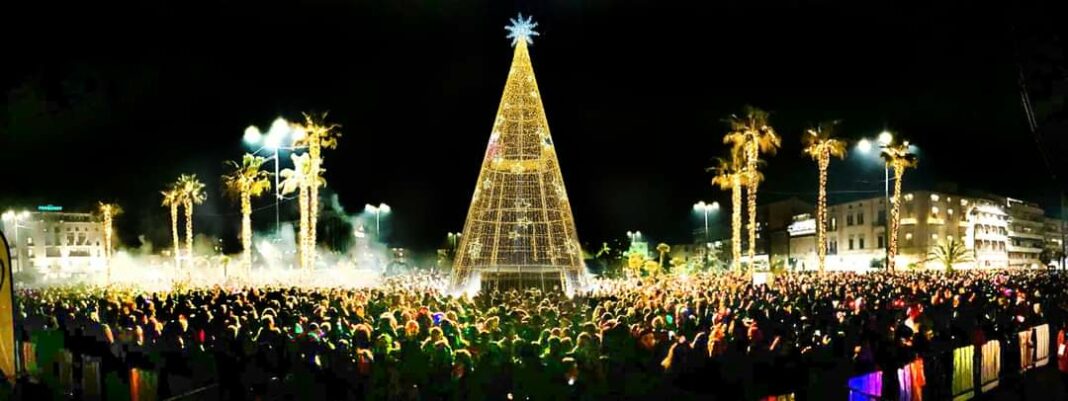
705,209
382,208
884,140
272,142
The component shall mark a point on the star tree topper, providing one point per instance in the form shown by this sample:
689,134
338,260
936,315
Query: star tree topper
522,29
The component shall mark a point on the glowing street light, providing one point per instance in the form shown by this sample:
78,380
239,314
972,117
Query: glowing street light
272,142
885,138
705,209
378,211
884,141
453,239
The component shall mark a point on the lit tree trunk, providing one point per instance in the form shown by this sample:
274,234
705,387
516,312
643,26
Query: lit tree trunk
189,232
107,234
304,250
107,240
751,192
314,150
736,221
174,232
246,229
895,217
821,209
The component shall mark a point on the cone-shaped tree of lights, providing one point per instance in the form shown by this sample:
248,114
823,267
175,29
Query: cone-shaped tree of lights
820,143
898,158
519,230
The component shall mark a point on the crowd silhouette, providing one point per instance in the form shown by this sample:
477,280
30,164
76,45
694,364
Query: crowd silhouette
702,336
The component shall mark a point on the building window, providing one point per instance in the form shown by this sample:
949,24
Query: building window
934,237
949,238
860,241
881,217
834,224
849,220
833,247
860,218
934,211
850,242
949,211
934,197
879,240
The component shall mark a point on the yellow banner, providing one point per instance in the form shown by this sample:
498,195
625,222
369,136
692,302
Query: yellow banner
7,315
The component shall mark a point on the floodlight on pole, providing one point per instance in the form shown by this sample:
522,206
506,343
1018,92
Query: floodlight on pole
253,135
382,208
885,138
864,145
705,209
272,141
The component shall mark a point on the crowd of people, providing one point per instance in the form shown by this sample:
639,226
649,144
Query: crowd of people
701,336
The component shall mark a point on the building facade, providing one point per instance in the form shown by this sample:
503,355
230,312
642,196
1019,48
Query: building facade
1056,231
56,242
996,232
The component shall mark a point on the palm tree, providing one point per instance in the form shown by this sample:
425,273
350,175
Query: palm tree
950,253
108,211
752,134
820,144
728,176
172,199
898,158
299,179
317,135
246,181
663,249
192,193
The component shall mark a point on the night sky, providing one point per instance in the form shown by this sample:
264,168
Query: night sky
113,103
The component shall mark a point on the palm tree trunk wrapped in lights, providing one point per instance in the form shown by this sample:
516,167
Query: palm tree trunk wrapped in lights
820,145
316,135
751,194
728,175
246,181
898,158
192,193
752,135
736,222
299,180
171,200
108,211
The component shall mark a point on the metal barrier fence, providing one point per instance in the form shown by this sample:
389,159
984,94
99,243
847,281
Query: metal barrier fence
974,371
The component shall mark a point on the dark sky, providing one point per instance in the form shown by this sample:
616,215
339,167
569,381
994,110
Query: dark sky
113,103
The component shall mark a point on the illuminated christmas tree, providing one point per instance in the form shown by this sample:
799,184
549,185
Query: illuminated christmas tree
519,230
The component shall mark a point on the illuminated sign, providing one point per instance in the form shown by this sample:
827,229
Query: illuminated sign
49,208
802,227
